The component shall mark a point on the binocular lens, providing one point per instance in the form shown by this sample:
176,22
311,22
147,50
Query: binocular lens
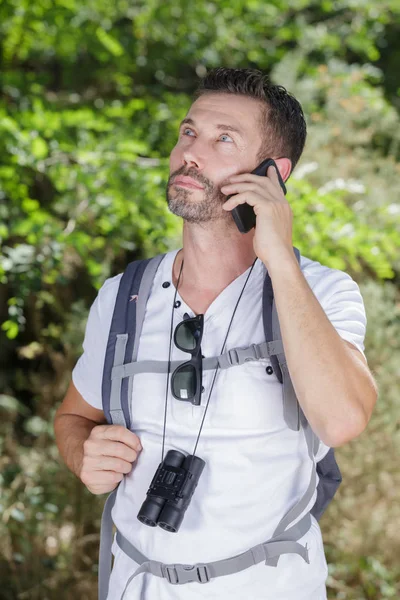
170,518
150,511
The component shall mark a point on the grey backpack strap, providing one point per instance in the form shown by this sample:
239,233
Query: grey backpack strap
105,555
291,409
330,479
124,336
178,574
123,344
143,295
231,358
327,469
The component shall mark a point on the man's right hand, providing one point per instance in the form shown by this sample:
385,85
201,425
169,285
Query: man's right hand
108,454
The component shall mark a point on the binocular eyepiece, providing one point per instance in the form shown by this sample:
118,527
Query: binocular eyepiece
171,491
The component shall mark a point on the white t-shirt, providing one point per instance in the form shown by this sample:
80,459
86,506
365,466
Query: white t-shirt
256,467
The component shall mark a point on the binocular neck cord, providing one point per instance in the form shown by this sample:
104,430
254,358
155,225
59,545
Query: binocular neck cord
216,370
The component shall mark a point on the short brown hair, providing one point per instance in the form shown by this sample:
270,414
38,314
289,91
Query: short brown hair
281,118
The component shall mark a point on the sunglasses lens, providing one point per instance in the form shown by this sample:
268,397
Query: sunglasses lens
188,334
184,382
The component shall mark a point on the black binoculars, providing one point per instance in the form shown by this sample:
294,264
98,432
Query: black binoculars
171,490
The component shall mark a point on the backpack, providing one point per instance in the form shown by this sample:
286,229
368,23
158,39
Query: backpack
121,365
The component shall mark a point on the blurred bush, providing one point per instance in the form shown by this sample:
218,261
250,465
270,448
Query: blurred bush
361,527
91,94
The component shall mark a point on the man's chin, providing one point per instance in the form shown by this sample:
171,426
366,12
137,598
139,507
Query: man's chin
200,218
193,208
190,217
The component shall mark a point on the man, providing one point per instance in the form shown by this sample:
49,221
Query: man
256,468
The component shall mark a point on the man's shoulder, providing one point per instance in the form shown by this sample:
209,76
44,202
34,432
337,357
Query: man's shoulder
325,280
313,269
109,290
110,285
107,296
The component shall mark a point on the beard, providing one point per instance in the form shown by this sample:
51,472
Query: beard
205,209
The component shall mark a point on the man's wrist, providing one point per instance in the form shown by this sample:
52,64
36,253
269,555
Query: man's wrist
281,261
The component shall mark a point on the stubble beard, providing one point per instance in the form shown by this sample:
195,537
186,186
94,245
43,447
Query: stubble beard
202,210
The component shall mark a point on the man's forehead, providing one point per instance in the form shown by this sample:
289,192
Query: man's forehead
240,112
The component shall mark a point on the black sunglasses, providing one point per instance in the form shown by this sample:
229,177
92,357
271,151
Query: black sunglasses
186,380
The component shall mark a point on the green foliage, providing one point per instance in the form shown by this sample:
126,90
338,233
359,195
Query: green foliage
45,515
360,527
91,96
328,230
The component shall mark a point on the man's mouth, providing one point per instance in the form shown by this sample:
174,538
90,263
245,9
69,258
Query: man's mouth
188,182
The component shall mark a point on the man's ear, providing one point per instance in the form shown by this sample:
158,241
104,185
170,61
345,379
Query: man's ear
285,167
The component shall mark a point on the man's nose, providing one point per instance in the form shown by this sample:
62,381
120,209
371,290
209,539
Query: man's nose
195,155
189,164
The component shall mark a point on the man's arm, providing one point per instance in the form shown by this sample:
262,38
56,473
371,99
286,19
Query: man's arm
99,454
333,383
73,423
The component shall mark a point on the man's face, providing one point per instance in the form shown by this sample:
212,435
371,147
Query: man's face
219,137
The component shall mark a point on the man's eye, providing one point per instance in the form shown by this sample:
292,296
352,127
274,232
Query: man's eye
226,135
184,132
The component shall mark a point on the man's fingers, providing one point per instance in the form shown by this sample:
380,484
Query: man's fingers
235,188
109,454
117,433
97,447
91,464
103,478
271,172
108,463
101,482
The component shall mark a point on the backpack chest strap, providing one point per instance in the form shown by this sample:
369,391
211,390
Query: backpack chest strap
178,574
232,358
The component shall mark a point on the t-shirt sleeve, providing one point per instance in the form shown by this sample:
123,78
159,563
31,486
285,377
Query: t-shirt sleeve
88,372
340,297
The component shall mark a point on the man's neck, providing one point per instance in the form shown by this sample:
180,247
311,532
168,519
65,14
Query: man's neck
211,260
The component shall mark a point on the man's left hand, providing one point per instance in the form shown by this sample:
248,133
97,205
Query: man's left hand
273,232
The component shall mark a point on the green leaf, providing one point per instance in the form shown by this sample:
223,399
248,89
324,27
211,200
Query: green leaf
39,148
110,43
11,328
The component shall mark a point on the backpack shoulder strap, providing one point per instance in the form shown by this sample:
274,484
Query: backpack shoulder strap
291,408
124,336
327,468
330,479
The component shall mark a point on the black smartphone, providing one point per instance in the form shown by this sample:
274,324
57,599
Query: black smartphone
243,214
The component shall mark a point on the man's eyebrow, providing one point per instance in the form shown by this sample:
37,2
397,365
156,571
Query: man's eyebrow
190,121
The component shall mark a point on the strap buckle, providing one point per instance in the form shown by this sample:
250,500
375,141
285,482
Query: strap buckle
256,352
233,357
177,574
169,572
238,356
